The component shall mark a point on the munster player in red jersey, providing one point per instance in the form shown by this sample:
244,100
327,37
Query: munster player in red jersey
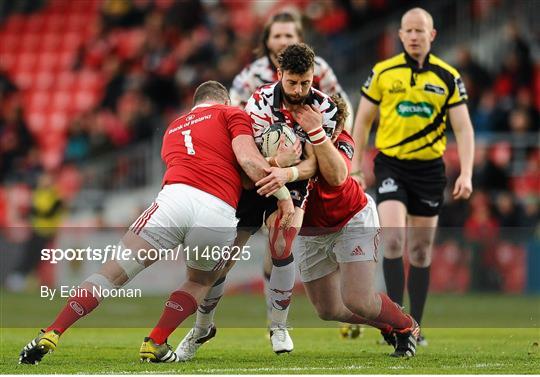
204,151
337,248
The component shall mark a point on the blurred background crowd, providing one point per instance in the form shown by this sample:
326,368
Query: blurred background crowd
87,87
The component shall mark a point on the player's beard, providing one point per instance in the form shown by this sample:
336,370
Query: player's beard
294,100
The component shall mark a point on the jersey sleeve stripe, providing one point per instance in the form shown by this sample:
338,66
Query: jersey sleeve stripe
457,103
370,98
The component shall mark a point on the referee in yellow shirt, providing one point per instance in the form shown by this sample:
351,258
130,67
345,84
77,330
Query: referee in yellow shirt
415,92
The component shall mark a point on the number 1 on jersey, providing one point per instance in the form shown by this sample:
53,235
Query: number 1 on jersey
188,141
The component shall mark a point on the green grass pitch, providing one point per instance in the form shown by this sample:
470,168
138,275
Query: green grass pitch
471,348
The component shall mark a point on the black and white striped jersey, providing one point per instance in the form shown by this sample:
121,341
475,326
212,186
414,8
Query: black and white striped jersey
265,107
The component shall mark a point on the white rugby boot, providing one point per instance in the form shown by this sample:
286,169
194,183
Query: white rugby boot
280,339
195,338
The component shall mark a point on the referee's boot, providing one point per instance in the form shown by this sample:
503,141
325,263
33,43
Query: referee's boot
157,353
194,339
44,343
406,340
281,340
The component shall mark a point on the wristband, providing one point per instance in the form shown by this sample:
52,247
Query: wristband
294,172
317,136
282,194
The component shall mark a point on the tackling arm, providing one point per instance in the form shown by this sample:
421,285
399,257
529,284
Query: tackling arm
331,165
249,157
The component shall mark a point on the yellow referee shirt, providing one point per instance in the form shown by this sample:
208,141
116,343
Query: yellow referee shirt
413,103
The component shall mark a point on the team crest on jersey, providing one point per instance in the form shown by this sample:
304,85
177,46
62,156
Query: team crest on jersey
367,83
190,117
434,89
397,87
346,148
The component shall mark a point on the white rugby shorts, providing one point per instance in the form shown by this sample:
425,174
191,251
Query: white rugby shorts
184,215
358,241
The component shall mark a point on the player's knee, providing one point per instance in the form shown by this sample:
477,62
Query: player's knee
420,254
393,246
281,241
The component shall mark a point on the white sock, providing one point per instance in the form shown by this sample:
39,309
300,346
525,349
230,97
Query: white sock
281,286
207,309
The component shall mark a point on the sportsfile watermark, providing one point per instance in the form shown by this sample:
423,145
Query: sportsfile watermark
477,279
119,253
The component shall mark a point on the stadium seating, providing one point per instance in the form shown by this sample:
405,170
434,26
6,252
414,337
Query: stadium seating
38,52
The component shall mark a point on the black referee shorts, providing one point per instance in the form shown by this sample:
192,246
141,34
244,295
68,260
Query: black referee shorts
254,209
417,184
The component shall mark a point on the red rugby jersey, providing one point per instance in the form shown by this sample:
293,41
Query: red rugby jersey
329,208
197,150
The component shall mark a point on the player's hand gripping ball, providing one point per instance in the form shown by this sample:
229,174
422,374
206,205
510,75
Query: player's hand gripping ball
349,331
271,136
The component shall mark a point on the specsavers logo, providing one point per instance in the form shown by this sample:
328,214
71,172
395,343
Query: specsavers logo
408,109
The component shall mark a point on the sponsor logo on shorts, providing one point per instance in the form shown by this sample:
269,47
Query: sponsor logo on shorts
175,306
434,89
431,203
408,109
357,251
388,185
77,308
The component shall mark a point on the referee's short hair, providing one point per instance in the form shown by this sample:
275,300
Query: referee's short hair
211,91
297,58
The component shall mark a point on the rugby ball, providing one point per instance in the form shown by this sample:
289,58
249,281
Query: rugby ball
271,136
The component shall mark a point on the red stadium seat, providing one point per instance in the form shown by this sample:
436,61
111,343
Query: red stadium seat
10,42
34,24
36,121
65,80
43,80
61,100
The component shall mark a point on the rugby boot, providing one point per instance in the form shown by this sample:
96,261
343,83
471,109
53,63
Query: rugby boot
157,353
406,340
194,339
280,339
44,343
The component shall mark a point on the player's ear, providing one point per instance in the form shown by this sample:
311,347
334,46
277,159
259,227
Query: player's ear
279,74
433,35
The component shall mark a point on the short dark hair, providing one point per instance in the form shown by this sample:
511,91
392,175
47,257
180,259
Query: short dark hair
297,58
284,17
211,90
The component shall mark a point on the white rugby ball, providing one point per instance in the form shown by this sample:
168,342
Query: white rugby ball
271,136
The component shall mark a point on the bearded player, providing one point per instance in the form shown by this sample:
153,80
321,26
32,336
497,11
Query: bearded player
269,105
281,30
